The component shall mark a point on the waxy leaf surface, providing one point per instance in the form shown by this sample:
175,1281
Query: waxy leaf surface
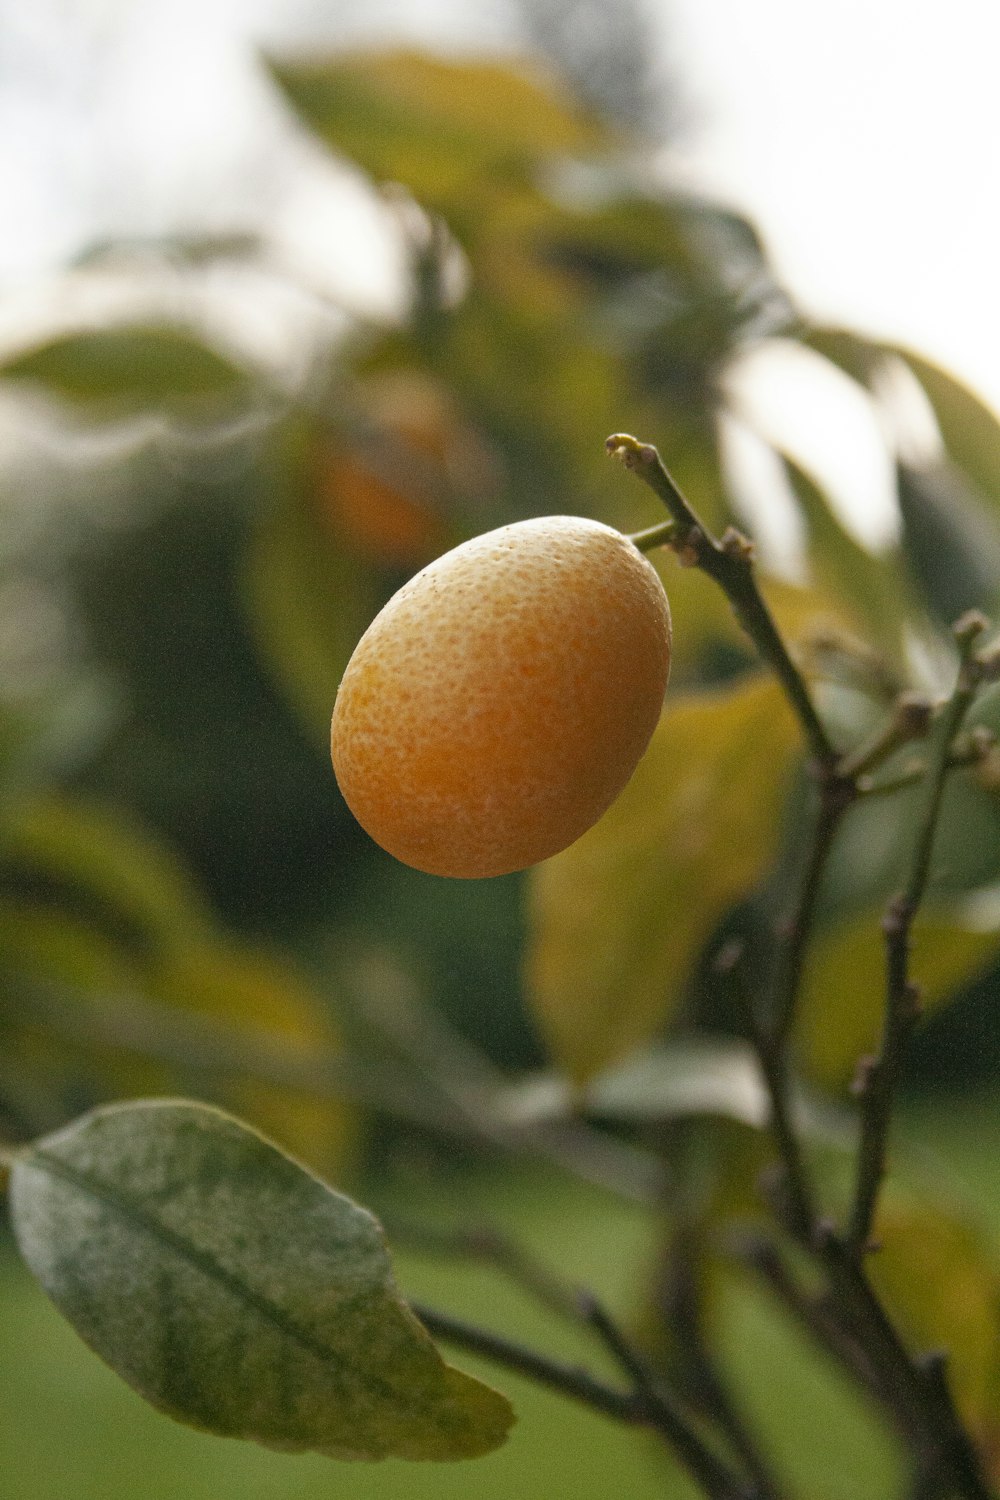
619,919
237,1292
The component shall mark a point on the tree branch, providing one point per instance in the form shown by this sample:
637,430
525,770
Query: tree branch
643,1406
729,562
878,1076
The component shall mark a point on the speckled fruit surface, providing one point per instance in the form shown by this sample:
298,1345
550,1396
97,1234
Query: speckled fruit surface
502,698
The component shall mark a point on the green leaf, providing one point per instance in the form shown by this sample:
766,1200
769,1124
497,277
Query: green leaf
95,861
440,128
938,1275
970,431
619,919
856,356
951,540
309,602
870,586
841,1004
130,367
235,1291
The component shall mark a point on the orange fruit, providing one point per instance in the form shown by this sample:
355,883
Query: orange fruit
377,518
502,698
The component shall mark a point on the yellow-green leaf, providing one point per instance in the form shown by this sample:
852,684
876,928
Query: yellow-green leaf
843,992
871,588
130,367
435,126
309,602
938,1275
235,1291
96,860
618,920
970,430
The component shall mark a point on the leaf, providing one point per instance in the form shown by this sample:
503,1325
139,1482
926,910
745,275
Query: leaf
951,540
439,128
132,367
95,860
235,1291
938,1275
857,356
841,1003
309,602
870,586
100,925
619,919
697,1076
86,1012
970,431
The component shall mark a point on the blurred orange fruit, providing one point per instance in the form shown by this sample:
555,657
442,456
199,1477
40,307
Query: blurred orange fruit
376,517
414,465
502,698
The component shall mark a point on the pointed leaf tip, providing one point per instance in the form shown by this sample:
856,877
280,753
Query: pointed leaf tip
235,1291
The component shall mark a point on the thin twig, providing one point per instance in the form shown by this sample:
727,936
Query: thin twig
849,1322
910,720
681,1312
489,1245
639,1407
812,1312
969,750
877,1077
729,562
212,1047
485,1244
920,1402
837,794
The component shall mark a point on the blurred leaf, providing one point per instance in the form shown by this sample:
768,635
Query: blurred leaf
841,1004
970,430
857,356
937,1272
97,861
951,540
131,367
83,1011
261,993
235,1291
619,919
697,1076
309,602
95,909
871,587
442,129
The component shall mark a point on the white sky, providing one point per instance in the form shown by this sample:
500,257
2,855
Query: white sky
864,138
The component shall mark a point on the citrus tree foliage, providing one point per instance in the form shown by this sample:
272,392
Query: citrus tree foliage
182,1215
186,907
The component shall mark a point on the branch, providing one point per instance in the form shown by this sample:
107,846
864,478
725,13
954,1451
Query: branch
848,1321
215,1047
878,1076
916,1394
644,1405
730,563
679,1301
485,1244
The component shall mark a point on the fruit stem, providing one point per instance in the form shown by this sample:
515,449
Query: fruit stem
663,535
729,561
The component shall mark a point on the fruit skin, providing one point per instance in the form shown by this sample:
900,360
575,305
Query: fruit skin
503,697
